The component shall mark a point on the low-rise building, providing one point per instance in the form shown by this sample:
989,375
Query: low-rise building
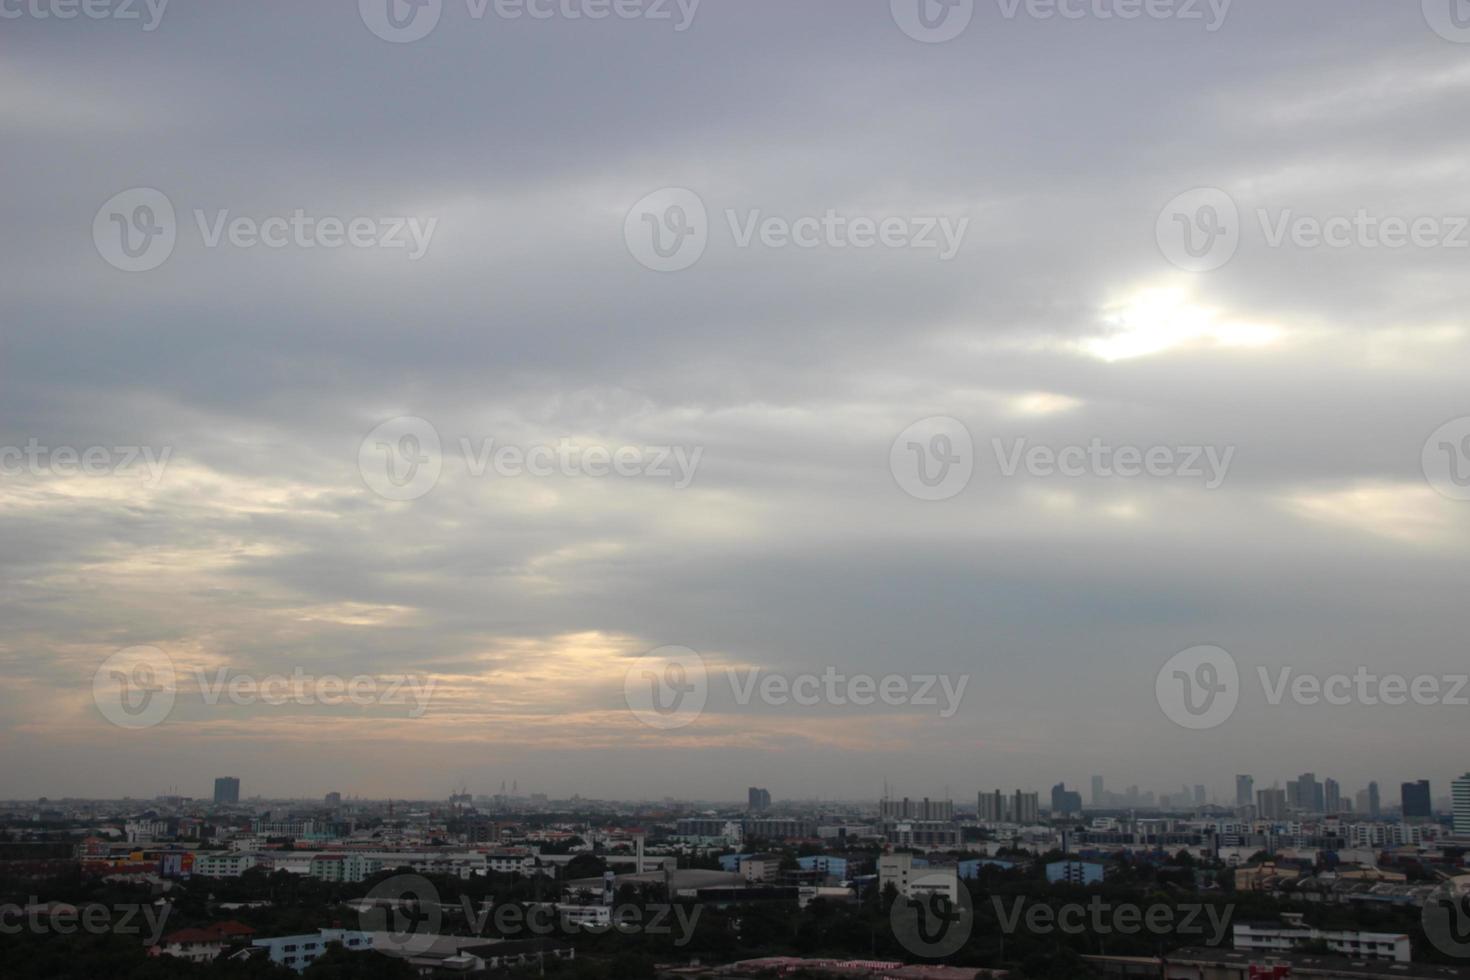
1075,872
298,952
1292,934
761,868
916,880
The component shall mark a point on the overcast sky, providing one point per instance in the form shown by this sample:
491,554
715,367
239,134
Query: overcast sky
523,150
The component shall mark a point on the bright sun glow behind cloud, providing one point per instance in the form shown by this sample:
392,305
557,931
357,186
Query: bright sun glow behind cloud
1161,318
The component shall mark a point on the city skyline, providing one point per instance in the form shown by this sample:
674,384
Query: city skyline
1388,794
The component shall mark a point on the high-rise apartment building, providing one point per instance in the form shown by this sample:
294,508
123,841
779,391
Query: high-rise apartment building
925,809
991,807
1026,807
1018,807
759,799
1460,801
1098,797
227,790
1331,796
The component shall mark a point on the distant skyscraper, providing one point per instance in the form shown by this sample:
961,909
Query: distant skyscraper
227,790
1245,790
1065,801
1305,794
1097,791
1375,805
1416,801
1460,800
334,799
760,799
1271,804
1200,795
1331,797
